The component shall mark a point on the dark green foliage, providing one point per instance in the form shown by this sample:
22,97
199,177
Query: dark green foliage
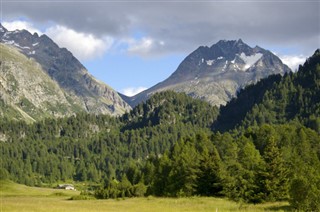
98,148
191,167
277,100
209,179
242,165
124,188
305,186
183,174
289,152
305,193
170,108
84,195
273,179
235,111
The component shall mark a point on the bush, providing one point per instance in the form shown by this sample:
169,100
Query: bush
139,190
82,197
121,190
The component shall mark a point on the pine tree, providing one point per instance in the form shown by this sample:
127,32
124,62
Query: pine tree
209,176
185,160
273,178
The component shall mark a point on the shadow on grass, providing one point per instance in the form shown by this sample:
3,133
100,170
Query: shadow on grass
280,208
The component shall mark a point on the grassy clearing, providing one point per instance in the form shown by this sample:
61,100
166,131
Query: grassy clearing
16,197
10,189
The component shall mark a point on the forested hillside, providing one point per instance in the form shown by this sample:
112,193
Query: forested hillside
277,100
94,148
265,146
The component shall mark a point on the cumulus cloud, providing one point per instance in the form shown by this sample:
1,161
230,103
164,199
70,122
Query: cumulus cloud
131,91
14,25
84,46
293,61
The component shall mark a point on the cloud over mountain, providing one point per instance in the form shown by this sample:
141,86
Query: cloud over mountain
13,25
131,91
293,61
84,46
182,25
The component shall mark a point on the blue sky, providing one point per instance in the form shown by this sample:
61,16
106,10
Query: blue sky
131,45
129,74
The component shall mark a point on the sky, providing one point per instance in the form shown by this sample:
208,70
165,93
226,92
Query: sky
132,45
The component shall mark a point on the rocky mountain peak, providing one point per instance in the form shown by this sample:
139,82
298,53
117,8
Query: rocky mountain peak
2,29
216,73
229,48
224,43
66,70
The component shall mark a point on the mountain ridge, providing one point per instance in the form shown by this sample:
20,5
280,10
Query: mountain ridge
80,87
216,73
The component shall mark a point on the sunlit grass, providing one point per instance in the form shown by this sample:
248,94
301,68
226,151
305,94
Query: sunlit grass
16,197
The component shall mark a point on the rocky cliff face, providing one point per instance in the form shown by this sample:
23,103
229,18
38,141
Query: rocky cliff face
70,83
216,73
28,91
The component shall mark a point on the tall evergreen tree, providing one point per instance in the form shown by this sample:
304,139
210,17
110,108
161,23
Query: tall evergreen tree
273,177
209,182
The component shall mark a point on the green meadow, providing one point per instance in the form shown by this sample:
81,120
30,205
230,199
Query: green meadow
16,197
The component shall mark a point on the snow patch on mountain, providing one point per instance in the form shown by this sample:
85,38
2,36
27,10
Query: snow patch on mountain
210,62
12,43
21,47
250,59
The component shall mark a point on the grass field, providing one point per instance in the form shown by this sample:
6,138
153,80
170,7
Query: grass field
15,197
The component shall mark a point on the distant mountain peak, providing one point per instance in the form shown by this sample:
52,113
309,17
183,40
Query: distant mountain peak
2,28
239,40
230,42
215,74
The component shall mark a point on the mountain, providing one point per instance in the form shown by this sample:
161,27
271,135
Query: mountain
295,97
50,79
216,73
27,92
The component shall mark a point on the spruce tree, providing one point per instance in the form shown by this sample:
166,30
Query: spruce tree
273,178
209,176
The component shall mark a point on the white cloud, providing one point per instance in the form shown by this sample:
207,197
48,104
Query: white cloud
14,25
83,46
293,61
144,47
131,91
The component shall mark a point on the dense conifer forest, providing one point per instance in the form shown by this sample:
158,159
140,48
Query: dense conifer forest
262,146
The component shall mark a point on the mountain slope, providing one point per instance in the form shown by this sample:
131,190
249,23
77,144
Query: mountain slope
170,108
27,92
88,93
277,100
216,73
